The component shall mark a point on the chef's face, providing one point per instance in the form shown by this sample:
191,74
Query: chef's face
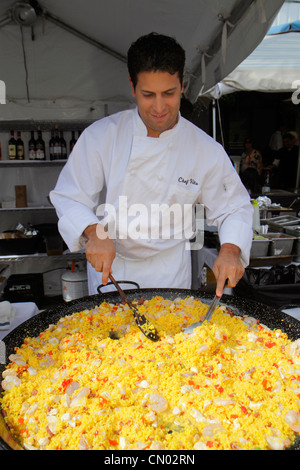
158,97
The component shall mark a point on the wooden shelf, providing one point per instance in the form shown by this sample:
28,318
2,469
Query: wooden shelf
31,163
33,208
41,256
48,125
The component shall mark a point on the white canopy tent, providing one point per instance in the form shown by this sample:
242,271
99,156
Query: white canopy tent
66,59
273,67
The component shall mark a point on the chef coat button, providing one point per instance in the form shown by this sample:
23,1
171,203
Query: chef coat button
132,172
160,177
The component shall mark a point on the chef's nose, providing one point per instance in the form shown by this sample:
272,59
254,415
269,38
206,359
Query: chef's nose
159,104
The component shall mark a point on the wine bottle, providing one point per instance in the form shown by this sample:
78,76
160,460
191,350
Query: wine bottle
51,146
20,147
57,145
72,141
63,146
32,147
12,146
40,146
266,187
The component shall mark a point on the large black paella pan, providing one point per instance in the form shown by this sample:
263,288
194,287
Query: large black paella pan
269,316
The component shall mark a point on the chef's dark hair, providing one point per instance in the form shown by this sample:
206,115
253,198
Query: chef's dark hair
155,52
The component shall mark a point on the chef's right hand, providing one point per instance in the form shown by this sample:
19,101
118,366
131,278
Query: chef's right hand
100,250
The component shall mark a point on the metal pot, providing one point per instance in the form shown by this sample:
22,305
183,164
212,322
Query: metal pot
269,316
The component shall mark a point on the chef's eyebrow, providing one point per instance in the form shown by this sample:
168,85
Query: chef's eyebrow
165,91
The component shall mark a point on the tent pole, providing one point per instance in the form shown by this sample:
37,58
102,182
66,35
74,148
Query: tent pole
298,174
83,36
5,21
214,119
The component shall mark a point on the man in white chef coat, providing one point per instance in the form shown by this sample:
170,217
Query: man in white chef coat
125,165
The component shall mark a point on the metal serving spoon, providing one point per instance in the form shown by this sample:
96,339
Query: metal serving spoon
144,325
207,316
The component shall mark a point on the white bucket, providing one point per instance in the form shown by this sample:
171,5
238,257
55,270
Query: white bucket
74,285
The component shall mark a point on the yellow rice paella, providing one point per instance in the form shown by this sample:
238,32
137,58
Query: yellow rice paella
232,384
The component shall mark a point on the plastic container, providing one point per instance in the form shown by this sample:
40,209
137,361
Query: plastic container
259,248
281,244
256,217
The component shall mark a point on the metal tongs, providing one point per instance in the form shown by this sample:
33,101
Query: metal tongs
144,325
207,316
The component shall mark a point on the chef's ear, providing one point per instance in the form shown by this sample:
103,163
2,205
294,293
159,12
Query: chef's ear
132,87
182,87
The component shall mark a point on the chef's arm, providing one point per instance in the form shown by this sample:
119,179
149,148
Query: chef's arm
99,249
228,207
80,189
228,267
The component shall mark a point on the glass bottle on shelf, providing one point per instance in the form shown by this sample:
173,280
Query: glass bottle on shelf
56,145
51,146
32,147
72,141
63,146
20,147
12,146
40,146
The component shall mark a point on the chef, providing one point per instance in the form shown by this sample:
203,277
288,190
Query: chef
130,174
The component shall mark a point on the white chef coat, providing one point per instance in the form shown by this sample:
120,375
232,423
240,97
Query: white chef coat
114,160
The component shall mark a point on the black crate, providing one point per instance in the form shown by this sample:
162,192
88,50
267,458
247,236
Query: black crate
25,288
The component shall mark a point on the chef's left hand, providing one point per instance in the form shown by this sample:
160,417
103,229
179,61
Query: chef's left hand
228,267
